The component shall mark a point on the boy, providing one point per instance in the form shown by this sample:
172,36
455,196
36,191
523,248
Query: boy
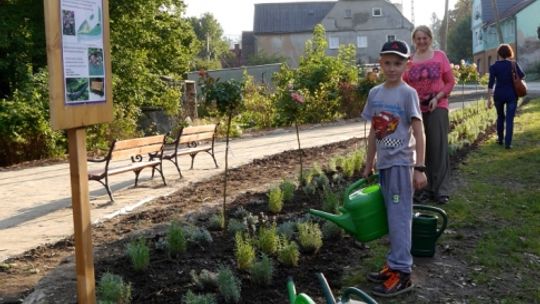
394,111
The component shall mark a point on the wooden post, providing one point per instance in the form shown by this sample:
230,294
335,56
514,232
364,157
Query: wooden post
81,216
80,95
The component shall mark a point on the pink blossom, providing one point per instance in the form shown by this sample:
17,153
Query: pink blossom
297,97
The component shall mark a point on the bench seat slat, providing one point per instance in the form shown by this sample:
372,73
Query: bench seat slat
129,167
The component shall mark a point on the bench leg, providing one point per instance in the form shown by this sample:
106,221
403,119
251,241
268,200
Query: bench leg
175,162
137,172
192,159
214,158
160,170
107,188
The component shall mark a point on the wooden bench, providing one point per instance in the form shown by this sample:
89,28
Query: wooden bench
190,141
134,149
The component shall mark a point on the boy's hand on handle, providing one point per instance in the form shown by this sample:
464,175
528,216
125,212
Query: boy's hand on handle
419,180
368,171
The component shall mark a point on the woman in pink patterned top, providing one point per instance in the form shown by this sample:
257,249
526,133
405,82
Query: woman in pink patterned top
429,72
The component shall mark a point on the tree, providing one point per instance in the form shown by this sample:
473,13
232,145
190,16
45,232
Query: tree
227,96
460,34
213,45
149,40
22,43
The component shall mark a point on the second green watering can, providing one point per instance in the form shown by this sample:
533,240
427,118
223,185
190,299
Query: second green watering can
426,229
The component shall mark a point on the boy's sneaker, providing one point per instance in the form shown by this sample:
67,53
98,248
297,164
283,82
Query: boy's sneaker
396,284
381,276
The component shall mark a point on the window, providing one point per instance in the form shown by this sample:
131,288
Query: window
361,41
333,43
376,12
390,37
348,13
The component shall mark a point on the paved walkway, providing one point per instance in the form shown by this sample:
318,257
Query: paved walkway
36,202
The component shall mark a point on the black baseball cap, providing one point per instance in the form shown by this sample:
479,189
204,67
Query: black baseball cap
397,47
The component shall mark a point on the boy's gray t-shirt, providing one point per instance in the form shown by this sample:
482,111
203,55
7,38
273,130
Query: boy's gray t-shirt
390,111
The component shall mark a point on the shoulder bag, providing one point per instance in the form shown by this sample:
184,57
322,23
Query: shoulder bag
519,84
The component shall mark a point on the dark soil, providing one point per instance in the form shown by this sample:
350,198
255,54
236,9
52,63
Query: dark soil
441,279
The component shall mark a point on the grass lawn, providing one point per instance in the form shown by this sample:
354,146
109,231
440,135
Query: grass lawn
493,237
498,202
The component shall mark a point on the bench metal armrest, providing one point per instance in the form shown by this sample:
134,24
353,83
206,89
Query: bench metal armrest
96,160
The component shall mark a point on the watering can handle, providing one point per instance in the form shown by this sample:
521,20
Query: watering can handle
357,292
440,211
291,290
360,183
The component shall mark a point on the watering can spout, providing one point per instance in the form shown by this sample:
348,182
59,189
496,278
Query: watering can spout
343,220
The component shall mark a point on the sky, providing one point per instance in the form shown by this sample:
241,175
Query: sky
236,16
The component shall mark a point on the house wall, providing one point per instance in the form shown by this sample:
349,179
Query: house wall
349,20
528,42
347,28
519,31
291,45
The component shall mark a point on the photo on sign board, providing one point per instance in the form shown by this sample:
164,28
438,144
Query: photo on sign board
97,86
90,29
95,61
68,22
76,89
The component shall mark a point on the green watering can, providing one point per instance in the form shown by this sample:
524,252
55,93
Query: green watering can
363,214
425,230
348,293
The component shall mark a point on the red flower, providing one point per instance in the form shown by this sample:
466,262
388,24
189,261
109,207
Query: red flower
297,97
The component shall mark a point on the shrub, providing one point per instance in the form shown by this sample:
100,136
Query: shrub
205,279
244,251
229,285
236,225
176,240
25,132
240,212
198,235
191,298
217,221
275,200
330,201
309,236
268,240
112,289
287,229
288,253
287,189
139,254
262,271
331,231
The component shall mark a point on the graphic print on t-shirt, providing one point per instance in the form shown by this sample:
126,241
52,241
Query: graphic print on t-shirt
384,124
422,76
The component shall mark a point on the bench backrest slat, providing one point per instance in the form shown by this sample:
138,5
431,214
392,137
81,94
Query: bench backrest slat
137,146
198,129
197,133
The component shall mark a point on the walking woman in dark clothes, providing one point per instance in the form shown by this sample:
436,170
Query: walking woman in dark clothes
500,75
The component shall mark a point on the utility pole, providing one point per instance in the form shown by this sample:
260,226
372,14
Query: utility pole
412,12
497,25
445,26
